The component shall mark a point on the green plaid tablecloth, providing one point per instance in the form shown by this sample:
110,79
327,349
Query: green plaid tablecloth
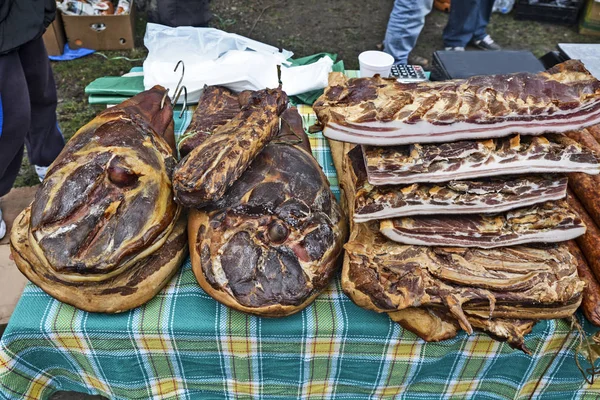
183,344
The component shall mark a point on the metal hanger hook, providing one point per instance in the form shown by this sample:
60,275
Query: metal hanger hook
184,90
177,88
162,102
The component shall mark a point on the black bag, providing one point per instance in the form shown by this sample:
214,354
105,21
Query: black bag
464,64
179,12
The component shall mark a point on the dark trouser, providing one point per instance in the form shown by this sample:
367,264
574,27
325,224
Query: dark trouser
467,21
27,111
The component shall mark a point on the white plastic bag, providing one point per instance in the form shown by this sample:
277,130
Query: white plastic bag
211,57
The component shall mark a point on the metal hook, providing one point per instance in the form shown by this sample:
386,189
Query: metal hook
162,102
184,90
177,88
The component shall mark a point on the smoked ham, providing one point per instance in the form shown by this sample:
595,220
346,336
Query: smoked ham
270,245
103,232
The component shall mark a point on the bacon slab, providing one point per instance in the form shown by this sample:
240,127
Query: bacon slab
518,282
485,195
546,222
383,112
477,158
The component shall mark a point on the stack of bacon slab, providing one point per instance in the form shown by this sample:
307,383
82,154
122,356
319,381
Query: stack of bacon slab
459,220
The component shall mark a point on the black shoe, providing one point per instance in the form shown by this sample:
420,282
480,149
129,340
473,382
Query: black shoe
487,43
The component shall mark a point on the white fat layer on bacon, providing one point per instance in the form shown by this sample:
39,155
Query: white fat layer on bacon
453,208
558,235
400,133
468,172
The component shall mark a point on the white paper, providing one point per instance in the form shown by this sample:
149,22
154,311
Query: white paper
304,78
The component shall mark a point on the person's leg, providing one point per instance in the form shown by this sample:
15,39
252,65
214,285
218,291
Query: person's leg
480,38
461,23
44,140
483,19
406,22
14,119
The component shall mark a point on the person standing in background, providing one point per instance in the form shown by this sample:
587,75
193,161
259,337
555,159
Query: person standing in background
27,92
467,23
404,27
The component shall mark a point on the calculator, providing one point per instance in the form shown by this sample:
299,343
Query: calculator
408,73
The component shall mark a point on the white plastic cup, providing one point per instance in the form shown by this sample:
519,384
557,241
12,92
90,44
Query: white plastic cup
374,62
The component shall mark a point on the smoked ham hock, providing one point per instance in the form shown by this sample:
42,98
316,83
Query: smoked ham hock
217,106
384,112
271,244
103,232
208,170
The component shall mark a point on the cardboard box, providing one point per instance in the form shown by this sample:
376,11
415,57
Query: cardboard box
101,32
590,19
54,37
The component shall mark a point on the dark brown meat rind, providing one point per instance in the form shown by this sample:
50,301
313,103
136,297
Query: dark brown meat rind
217,106
477,158
292,130
385,112
594,130
204,174
587,188
104,221
552,221
144,109
511,331
590,242
591,294
270,245
430,324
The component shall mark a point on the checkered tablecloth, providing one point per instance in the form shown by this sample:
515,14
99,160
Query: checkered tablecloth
183,344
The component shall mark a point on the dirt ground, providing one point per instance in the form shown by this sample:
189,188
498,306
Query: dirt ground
345,27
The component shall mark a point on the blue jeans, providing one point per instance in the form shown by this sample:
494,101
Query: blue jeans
405,24
468,20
